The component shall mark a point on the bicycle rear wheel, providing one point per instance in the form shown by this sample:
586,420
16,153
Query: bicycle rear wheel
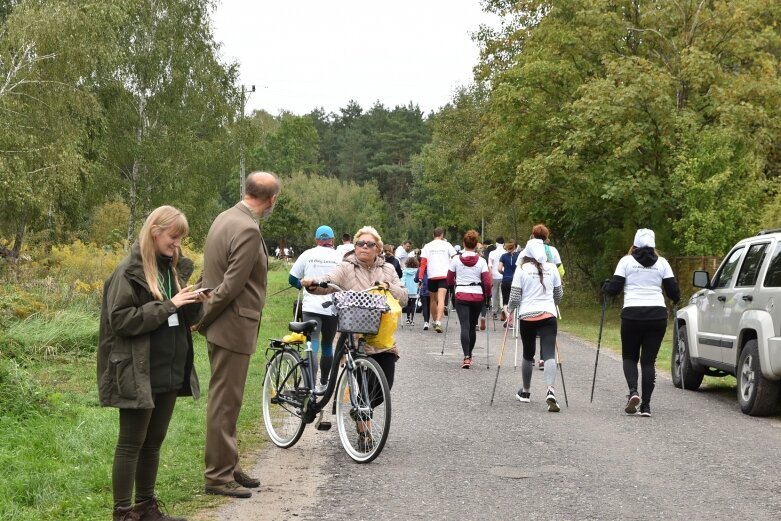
363,410
283,384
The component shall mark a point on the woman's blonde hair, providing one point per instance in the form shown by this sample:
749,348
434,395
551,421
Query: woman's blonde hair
161,219
373,232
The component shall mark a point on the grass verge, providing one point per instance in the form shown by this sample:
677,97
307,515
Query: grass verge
57,458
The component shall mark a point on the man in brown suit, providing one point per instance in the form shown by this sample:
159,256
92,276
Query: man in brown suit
235,264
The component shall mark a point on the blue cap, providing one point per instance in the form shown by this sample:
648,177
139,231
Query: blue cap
323,233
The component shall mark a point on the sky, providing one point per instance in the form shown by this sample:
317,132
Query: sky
322,53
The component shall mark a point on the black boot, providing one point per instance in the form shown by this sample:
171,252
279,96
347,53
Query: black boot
149,510
125,514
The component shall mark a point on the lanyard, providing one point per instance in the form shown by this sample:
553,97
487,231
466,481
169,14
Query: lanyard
168,294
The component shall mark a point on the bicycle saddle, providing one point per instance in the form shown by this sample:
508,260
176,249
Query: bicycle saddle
302,327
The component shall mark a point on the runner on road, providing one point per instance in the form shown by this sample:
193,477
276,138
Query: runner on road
434,261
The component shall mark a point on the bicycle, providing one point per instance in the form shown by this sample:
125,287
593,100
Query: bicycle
290,400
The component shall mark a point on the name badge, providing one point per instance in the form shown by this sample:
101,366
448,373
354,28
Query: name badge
173,320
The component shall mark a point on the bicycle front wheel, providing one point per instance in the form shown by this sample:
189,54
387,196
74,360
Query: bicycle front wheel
283,394
363,410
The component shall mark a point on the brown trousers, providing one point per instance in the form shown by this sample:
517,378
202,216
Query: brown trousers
226,392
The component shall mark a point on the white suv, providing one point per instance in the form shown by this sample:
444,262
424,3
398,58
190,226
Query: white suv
732,326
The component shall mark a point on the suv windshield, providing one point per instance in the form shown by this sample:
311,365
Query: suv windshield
724,276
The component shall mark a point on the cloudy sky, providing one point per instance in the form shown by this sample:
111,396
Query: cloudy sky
322,53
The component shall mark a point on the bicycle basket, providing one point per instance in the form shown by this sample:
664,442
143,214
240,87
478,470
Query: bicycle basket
359,312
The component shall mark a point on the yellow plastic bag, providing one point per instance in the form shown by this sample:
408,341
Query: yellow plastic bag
384,339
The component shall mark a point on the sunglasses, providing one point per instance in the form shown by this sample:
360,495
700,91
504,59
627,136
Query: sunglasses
367,244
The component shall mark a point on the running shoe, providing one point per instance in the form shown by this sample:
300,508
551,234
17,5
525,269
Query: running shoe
633,400
320,388
541,364
466,363
550,399
645,410
408,323
438,326
425,326
523,396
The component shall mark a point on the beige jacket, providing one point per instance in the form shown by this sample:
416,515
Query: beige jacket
235,264
352,275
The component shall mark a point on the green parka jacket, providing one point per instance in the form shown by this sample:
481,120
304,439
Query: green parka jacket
128,315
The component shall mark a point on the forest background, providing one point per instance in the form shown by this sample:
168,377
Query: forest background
594,116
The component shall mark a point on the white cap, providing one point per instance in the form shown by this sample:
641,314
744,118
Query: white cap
645,238
536,250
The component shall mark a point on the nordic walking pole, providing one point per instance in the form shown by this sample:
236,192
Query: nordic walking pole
280,291
501,356
487,344
298,301
558,362
676,340
447,323
599,343
561,370
516,324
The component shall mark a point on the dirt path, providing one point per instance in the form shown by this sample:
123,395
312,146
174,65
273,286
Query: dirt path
450,455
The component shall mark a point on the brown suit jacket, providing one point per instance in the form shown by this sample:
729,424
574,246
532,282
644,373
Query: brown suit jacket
235,264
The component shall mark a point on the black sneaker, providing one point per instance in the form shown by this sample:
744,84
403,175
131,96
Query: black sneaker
550,399
523,396
365,442
645,410
633,400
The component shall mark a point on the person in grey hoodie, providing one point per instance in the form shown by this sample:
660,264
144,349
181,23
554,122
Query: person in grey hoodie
642,275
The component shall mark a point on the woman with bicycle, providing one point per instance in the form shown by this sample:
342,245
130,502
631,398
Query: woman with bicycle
362,268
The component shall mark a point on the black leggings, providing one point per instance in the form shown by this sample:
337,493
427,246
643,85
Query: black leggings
137,456
506,285
425,307
387,362
640,342
410,310
546,329
468,313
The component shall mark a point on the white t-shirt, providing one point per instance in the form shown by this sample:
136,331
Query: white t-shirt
643,286
312,264
344,249
535,298
437,254
401,254
493,261
466,275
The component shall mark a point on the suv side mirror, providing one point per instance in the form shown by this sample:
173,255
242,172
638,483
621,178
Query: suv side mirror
700,279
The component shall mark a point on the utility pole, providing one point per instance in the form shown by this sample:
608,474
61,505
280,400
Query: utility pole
242,174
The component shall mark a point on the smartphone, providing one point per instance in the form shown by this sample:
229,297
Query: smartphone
203,290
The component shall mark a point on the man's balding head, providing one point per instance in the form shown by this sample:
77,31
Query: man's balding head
262,185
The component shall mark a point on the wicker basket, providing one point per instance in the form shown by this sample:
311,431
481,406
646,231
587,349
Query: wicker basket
359,312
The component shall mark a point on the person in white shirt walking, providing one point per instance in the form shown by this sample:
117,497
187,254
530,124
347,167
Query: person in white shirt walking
536,291
402,252
435,261
313,264
496,275
642,275
347,245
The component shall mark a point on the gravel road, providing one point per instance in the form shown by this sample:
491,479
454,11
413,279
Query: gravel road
452,456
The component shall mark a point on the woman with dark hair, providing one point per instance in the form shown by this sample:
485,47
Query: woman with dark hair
642,275
535,293
469,274
145,356
507,264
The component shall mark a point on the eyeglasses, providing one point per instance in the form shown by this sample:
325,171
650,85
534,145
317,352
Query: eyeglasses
366,244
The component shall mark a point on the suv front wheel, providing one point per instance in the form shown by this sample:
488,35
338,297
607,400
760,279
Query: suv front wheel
757,395
684,374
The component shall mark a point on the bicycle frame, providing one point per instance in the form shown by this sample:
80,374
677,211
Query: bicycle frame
309,403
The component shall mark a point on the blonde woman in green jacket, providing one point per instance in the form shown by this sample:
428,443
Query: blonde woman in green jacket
145,356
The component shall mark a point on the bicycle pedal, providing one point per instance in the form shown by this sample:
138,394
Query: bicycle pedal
323,426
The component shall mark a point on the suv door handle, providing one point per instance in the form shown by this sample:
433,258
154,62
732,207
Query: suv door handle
748,298
721,298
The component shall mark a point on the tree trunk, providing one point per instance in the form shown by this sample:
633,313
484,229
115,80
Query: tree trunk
19,237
